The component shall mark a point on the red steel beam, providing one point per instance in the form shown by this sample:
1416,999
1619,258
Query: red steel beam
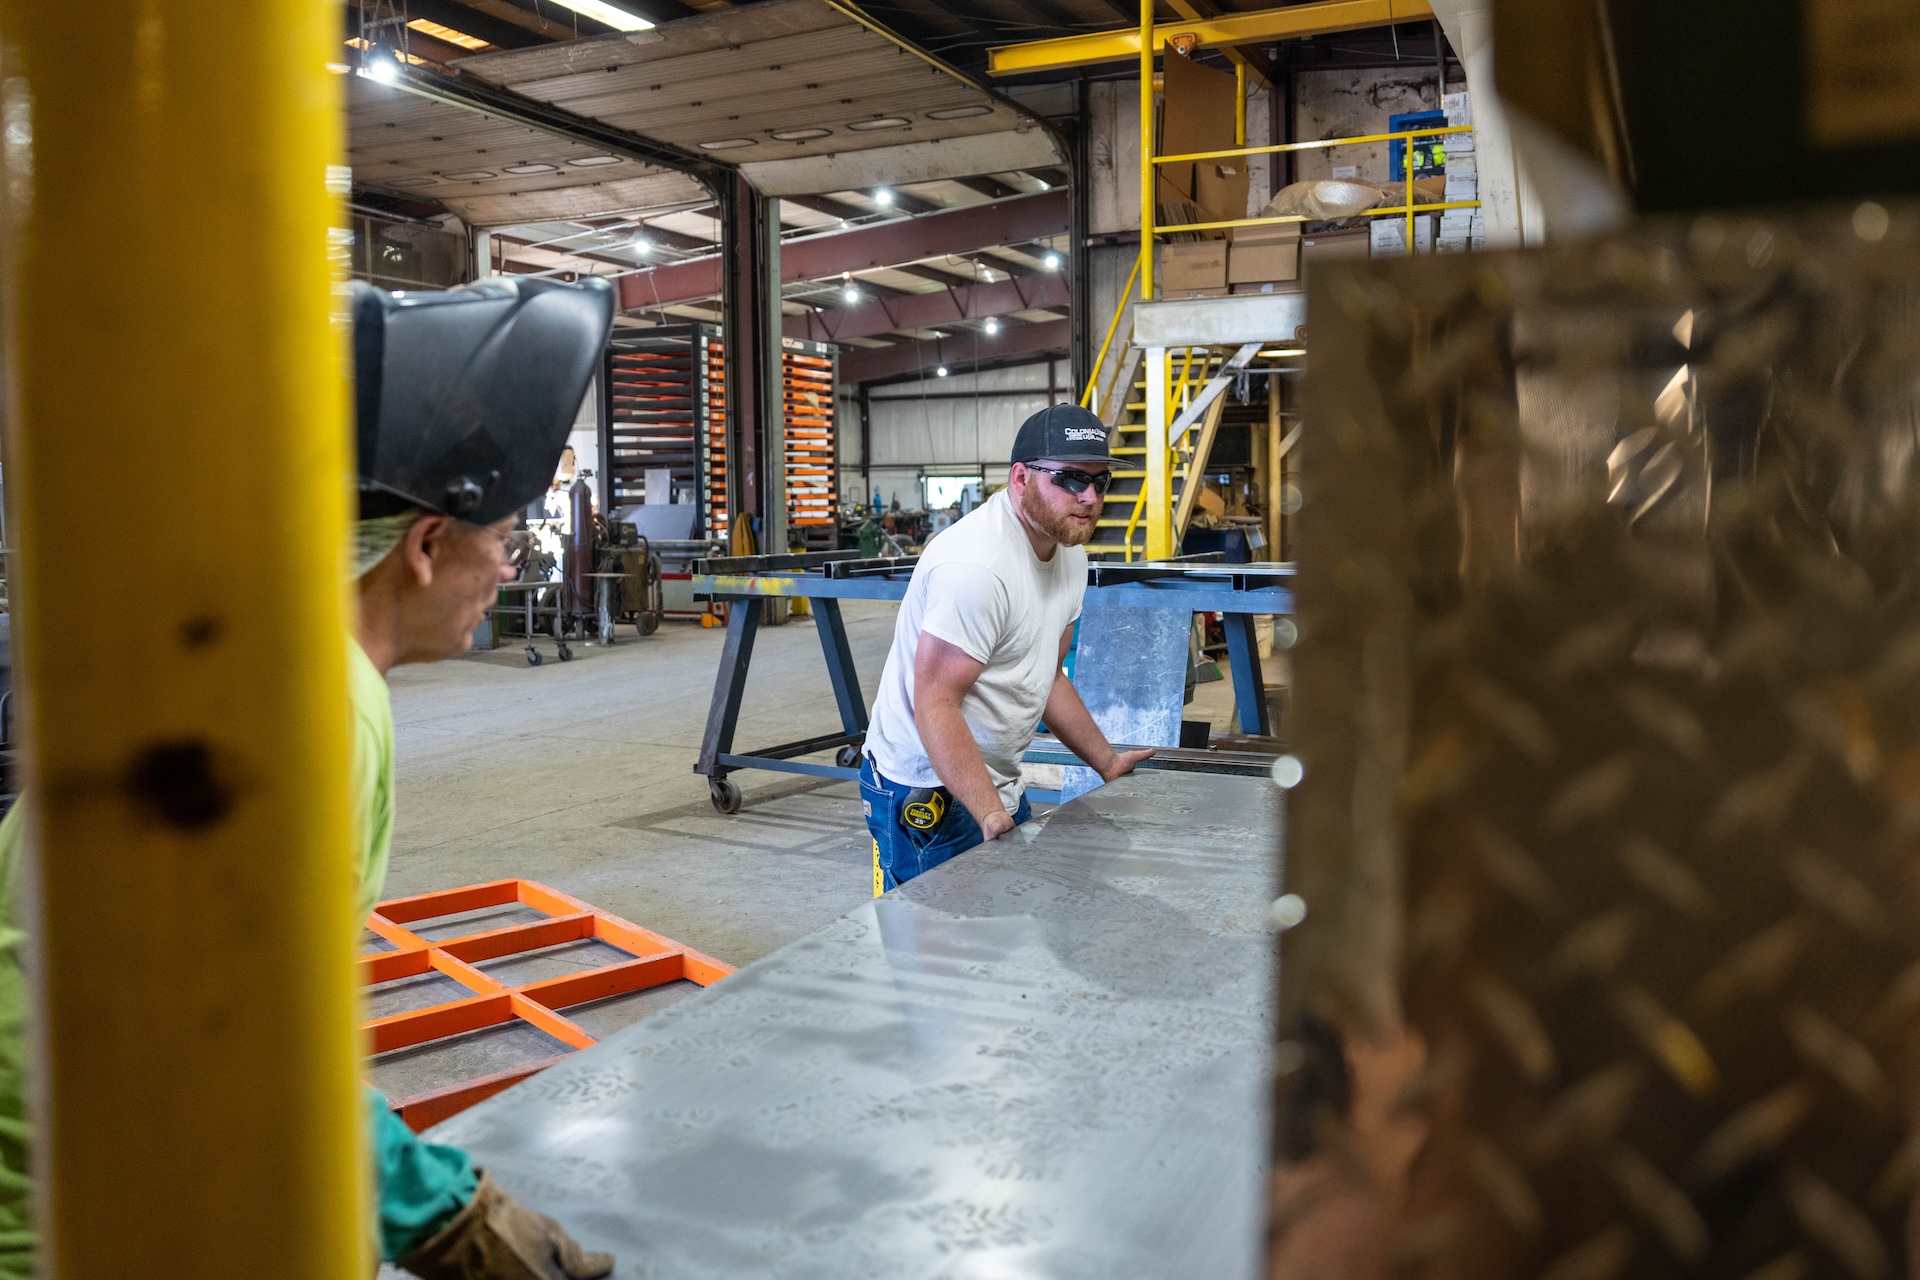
914,357
951,305
884,244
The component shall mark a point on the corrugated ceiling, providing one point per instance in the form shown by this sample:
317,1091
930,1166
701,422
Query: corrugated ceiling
409,145
767,85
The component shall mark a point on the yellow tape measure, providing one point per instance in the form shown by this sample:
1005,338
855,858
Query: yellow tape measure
924,809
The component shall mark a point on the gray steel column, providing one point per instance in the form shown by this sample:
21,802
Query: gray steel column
756,471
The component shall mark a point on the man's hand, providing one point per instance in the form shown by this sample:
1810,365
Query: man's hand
1122,763
998,823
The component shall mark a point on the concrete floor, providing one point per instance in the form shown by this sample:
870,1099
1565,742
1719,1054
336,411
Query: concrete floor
580,775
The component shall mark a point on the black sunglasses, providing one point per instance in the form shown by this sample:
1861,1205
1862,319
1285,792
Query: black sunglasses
1076,482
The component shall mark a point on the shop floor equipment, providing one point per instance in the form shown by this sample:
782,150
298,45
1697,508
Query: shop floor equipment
653,960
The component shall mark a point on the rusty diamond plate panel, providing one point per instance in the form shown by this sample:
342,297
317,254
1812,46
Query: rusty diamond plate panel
1609,704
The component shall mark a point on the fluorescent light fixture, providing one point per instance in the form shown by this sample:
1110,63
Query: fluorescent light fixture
960,113
379,65
879,122
727,144
941,372
521,170
851,294
600,11
641,245
800,135
1051,262
883,198
472,175
593,162
993,324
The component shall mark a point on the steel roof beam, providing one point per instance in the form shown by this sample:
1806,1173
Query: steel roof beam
877,316
883,244
479,95
908,358
1291,23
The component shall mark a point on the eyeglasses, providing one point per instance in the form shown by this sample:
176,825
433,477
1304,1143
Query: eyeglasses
1077,482
517,545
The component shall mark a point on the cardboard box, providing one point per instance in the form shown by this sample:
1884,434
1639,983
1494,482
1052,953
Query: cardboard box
1388,236
1458,189
1458,106
1266,286
1256,263
1327,245
1270,233
1198,115
1185,268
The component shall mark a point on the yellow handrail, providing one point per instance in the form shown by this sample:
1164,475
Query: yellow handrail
1093,377
1314,145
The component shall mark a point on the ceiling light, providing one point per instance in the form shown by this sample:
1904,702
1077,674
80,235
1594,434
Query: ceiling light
472,175
993,325
1051,262
523,169
601,11
593,162
727,144
879,122
800,135
941,372
883,198
379,65
851,293
960,113
1044,184
641,245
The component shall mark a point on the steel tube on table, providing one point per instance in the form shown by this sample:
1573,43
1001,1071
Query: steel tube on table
1045,1057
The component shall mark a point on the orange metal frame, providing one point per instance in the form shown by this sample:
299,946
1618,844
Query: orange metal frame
656,960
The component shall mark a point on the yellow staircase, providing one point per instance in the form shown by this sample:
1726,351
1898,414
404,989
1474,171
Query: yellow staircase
1197,381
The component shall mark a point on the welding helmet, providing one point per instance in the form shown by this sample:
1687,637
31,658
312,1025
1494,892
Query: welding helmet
463,399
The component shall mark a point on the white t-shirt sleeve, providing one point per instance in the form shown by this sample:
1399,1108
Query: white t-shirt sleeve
967,607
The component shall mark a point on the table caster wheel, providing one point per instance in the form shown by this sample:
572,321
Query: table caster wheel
533,657
566,654
848,757
725,796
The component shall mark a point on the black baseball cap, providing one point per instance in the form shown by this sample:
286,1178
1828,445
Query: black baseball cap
1063,433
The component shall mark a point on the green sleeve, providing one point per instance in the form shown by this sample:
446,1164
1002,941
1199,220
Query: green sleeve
16,1207
422,1184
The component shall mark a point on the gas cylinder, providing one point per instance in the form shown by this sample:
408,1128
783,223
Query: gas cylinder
579,548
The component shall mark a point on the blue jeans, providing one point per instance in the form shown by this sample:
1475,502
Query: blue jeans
901,852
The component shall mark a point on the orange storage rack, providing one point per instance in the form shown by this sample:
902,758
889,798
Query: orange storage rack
807,379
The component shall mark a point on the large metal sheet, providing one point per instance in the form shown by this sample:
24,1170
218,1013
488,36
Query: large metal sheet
1609,714
1131,670
1044,1058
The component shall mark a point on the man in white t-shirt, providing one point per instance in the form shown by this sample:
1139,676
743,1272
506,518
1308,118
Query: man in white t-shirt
976,657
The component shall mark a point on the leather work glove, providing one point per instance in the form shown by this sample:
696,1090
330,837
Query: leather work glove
497,1238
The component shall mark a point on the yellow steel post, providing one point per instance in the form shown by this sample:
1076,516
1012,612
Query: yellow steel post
1406,171
1276,470
183,661
1159,484
1146,151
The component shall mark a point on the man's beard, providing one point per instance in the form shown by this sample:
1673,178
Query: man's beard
1062,529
